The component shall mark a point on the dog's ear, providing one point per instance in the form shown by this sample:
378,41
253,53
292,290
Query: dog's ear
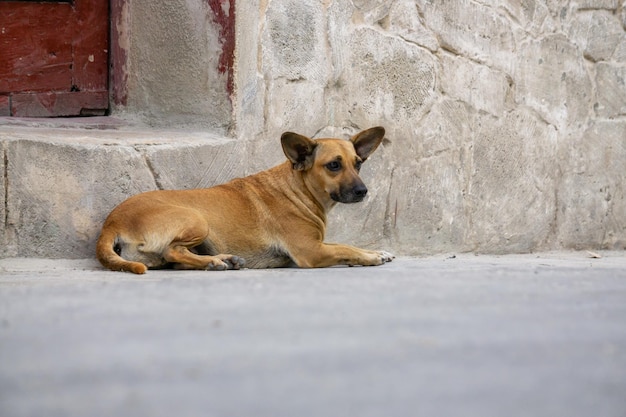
366,142
299,150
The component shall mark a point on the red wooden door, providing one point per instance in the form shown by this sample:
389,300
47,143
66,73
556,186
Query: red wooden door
54,58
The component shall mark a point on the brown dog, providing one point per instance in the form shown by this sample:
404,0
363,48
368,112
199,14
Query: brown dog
271,219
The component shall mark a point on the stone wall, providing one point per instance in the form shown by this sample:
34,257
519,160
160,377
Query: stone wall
506,120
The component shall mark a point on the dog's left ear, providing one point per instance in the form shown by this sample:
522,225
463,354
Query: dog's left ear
299,150
366,142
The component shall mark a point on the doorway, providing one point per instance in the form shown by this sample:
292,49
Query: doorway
54,58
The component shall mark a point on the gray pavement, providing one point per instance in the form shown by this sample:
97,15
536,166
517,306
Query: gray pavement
526,335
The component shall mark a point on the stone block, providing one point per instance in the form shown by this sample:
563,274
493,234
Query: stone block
60,191
59,194
471,29
293,41
197,165
294,106
551,78
383,79
533,15
597,33
426,208
513,183
449,126
404,21
611,90
592,196
470,181
482,87
426,205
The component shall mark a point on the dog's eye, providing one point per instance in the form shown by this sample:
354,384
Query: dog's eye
333,166
358,164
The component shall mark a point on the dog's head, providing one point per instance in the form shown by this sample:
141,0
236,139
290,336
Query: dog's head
331,167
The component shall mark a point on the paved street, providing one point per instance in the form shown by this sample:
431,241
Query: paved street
525,335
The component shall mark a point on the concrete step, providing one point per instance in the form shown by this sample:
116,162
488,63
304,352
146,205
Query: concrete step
62,177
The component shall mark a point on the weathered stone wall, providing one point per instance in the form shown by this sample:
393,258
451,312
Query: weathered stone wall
506,120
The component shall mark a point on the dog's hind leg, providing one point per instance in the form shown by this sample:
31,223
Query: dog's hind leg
185,259
183,232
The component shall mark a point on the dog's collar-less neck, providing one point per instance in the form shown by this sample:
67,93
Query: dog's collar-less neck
297,182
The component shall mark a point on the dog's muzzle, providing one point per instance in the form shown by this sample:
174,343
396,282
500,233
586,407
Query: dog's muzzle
353,194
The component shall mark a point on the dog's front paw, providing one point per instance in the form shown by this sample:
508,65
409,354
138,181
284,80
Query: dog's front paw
385,256
374,258
223,262
234,262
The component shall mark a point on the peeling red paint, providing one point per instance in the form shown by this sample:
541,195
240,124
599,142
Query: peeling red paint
119,54
224,16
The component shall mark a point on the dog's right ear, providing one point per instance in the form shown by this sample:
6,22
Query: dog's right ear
299,150
367,141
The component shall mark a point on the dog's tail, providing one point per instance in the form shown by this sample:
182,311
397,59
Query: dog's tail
109,258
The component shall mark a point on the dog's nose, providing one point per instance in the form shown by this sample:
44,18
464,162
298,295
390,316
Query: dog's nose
360,191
